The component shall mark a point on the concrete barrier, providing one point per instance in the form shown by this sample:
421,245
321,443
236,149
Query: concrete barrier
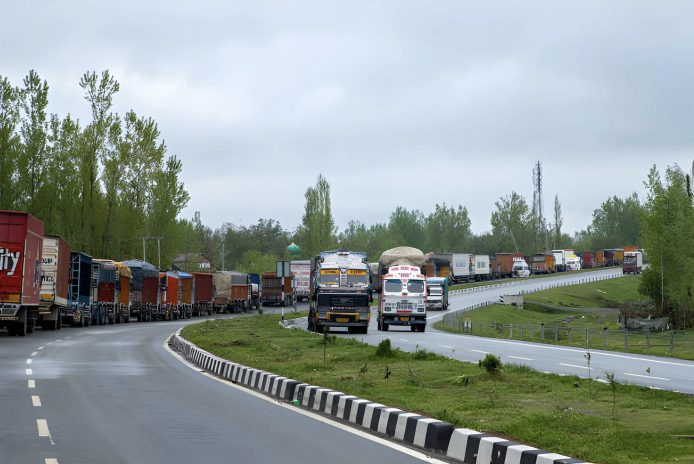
429,434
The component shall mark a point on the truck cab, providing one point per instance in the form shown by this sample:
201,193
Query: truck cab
403,297
340,292
437,293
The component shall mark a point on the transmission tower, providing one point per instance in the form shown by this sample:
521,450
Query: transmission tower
537,203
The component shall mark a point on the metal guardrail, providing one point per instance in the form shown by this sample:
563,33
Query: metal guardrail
650,342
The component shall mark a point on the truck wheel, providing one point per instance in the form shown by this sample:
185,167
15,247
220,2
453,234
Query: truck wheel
422,328
413,328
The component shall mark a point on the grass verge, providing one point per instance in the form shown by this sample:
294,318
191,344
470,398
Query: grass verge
583,315
561,414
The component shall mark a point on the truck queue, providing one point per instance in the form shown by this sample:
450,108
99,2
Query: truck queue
44,283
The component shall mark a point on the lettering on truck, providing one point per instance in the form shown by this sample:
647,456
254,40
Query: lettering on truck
9,260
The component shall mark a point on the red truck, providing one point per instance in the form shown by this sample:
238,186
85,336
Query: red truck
277,290
21,249
202,293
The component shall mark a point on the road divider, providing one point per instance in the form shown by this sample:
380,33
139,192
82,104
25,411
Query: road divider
426,433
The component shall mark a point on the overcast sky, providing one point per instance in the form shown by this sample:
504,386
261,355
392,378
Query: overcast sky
396,103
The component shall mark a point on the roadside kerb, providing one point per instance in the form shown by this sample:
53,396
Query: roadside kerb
429,434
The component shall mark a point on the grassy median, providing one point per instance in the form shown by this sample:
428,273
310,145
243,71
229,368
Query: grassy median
593,421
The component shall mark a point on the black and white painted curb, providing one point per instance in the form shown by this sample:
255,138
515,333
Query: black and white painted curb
431,435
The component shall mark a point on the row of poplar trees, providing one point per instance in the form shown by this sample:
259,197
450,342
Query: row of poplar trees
102,185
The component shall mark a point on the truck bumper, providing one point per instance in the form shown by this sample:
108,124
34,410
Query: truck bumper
404,320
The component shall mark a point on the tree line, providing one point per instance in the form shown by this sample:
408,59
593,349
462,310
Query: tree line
102,184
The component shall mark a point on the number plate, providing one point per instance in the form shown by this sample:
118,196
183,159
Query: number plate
404,318
341,319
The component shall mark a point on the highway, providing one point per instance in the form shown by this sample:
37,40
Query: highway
116,394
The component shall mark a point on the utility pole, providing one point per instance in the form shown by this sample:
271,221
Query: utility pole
144,249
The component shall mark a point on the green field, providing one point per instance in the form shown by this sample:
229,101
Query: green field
567,415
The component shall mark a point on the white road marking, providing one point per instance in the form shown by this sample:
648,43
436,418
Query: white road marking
36,401
573,365
31,384
51,461
520,357
30,372
594,353
29,361
646,376
41,347
448,347
478,351
42,425
34,353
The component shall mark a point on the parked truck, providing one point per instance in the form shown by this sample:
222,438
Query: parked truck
437,293
340,292
123,292
79,306
55,279
404,289
461,266
480,267
277,291
203,294
144,287
633,262
255,290
103,290
232,292
168,304
185,294
301,273
542,263
21,249
509,265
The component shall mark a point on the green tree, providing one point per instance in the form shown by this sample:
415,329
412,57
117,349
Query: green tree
448,229
617,223
99,92
34,128
406,228
9,142
668,241
317,230
513,225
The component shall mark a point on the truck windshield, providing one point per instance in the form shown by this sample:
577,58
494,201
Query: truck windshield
330,277
392,285
357,279
415,286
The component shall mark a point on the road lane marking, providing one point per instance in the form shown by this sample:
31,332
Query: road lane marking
647,376
34,353
520,357
478,351
30,372
574,365
29,361
36,401
31,384
448,347
51,461
41,347
42,425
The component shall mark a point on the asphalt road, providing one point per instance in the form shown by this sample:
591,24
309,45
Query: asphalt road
116,394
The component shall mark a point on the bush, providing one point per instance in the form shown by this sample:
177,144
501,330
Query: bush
384,349
491,363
